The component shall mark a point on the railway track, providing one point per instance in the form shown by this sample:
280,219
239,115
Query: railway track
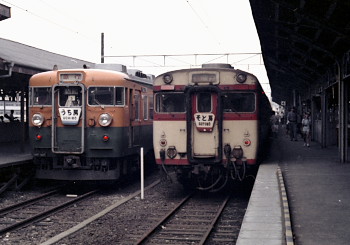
38,208
194,220
164,217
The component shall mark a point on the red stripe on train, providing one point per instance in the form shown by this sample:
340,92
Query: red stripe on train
182,162
182,116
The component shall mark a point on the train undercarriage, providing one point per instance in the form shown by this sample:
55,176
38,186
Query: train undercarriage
210,177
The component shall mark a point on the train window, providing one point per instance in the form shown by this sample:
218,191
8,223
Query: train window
119,96
145,107
170,102
239,102
41,96
151,107
204,102
101,95
137,106
70,96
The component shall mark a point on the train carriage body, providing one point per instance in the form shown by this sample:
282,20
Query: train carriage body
209,123
89,124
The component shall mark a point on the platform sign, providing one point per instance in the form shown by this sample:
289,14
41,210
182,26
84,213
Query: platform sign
71,77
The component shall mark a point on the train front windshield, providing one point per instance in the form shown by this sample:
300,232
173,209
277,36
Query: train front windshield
41,96
70,96
171,102
239,102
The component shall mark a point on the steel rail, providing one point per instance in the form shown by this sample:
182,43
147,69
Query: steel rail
27,202
163,219
208,228
215,220
45,213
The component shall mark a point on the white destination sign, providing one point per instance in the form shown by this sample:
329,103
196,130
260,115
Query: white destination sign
70,116
204,120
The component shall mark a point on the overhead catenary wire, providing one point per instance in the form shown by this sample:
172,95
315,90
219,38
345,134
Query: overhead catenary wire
203,22
47,19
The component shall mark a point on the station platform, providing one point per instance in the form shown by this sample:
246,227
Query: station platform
13,153
301,196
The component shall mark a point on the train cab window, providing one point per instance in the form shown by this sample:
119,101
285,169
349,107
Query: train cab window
100,95
239,102
204,102
170,102
70,96
119,96
41,96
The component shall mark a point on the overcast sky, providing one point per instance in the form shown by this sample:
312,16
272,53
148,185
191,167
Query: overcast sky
139,27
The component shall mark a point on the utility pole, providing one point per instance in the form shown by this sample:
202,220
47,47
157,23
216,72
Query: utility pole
102,48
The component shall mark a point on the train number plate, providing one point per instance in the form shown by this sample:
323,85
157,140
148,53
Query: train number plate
70,116
204,121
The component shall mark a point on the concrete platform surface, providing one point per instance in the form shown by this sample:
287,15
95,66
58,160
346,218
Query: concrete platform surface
316,197
14,154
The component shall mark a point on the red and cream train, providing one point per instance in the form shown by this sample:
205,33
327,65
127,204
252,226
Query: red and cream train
210,124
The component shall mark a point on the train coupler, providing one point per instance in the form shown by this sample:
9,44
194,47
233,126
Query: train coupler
71,161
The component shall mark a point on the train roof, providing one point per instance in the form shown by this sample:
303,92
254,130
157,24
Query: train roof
223,68
98,74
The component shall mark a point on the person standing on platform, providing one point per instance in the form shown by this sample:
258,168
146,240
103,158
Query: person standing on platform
292,119
274,120
306,129
10,117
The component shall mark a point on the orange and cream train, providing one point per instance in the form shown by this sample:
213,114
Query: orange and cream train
210,124
89,124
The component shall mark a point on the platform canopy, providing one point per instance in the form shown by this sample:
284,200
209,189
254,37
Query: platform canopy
18,62
5,12
300,41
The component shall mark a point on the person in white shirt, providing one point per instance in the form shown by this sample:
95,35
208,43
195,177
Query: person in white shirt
306,123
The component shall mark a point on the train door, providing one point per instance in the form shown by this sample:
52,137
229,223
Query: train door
205,132
131,116
134,111
137,122
68,114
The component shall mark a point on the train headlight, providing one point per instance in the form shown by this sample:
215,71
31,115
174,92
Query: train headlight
171,152
241,78
105,119
37,119
167,78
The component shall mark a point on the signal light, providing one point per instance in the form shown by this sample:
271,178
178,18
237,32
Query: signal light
163,142
247,142
105,137
38,137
